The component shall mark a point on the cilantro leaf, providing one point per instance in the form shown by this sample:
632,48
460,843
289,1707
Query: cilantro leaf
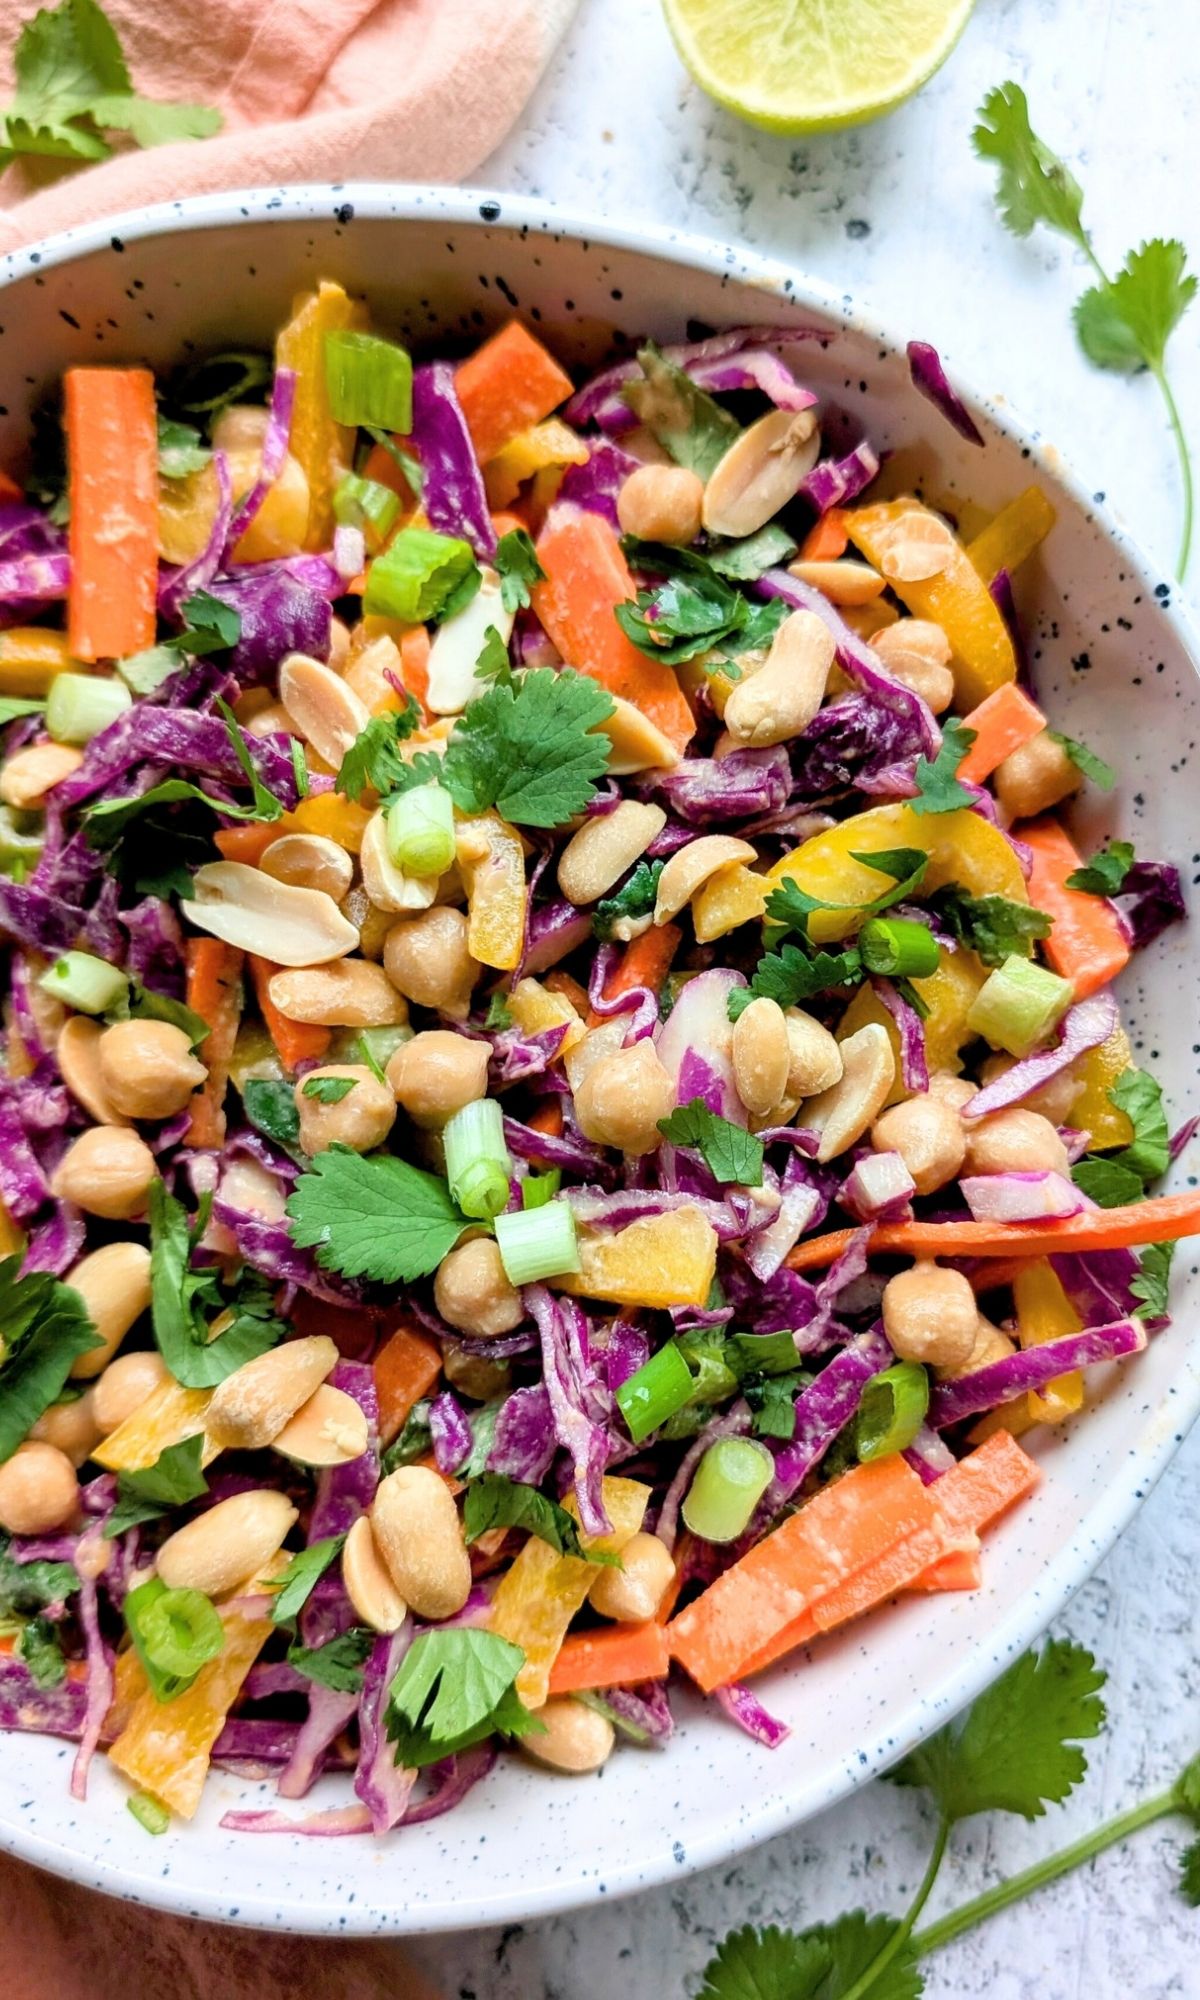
1151,1288
495,1501
635,898
180,449
516,563
1115,1179
744,561
1107,1181
28,1587
338,1664
1105,872
183,1300
414,1441
792,976
38,1645
271,1108
140,1004
374,756
1126,323
1086,760
453,1689
991,926
689,425
1034,184
109,820
493,663
769,1964
210,625
1016,1749
46,1328
173,1480
790,906
328,1089
499,1013
773,1402
693,610
1189,1874
373,1216
301,1577
731,1154
529,749
938,787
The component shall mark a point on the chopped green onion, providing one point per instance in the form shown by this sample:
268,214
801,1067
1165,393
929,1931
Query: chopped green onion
1018,1005
369,381
149,1813
898,948
661,1386
415,575
478,1166
143,672
537,1242
891,1411
420,831
79,706
88,984
366,504
729,1482
538,1189
20,843
183,1633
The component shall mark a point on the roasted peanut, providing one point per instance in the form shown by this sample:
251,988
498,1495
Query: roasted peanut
350,994
633,1593
842,1113
576,1740
760,472
251,1406
761,1056
917,653
309,861
29,774
124,1387
418,1533
690,867
228,1544
368,1582
389,888
782,698
254,912
147,1069
845,582
330,1429
114,1284
815,1056
1037,776
322,706
605,848
70,1427
78,1052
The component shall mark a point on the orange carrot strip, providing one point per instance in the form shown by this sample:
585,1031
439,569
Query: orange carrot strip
827,539
615,1657
112,464
998,1272
961,1570
547,1119
1087,945
586,578
510,382
1002,722
415,648
972,1495
214,991
645,961
247,843
846,1526
9,490
1162,1220
406,1368
380,466
505,522
295,1041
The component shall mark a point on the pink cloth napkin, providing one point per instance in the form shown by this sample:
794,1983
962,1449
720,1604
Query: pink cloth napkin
311,90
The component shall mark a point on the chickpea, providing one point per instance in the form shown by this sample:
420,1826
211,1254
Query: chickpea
70,1427
928,1135
436,1073
930,1315
38,1490
1054,1100
955,1090
761,1056
147,1069
577,1739
622,1098
106,1171
815,1056
114,1284
1015,1142
472,1292
361,1119
1037,776
633,1593
661,503
124,1387
427,959
30,773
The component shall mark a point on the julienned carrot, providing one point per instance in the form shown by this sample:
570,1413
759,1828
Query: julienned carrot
247,843
112,467
972,1495
295,1041
586,578
380,466
645,961
1086,945
1163,1220
962,1569
415,647
827,539
844,1527
510,382
406,1368
548,1119
214,991
615,1657
1002,723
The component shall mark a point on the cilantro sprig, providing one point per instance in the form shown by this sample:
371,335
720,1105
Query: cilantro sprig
373,1216
1123,323
939,788
734,1157
46,1328
453,1689
1105,873
793,975
184,1299
495,1501
693,609
1115,1179
992,926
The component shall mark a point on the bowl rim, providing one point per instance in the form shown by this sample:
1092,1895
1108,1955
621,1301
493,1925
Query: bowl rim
481,208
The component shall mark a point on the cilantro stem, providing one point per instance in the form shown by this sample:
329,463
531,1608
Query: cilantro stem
865,1982
1042,1872
1185,467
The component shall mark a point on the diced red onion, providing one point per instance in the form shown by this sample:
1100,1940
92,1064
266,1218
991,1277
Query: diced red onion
1021,1197
879,1188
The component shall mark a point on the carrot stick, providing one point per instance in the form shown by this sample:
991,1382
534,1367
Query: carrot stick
1087,945
586,578
112,462
846,1526
415,648
214,991
406,1368
1002,723
827,539
962,1569
295,1041
510,382
247,843
646,961
615,1657
548,1119
1163,1220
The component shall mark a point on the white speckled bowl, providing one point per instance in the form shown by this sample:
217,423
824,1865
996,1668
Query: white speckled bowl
1112,666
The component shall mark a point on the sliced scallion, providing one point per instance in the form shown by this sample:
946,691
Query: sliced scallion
537,1243
369,380
891,1411
420,831
85,982
729,1482
478,1166
538,1189
79,706
1018,1004
149,1813
662,1385
898,948
143,672
366,504
415,575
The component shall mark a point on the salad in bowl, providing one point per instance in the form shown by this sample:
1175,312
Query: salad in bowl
563,1108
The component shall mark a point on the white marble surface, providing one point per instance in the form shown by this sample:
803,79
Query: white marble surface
900,215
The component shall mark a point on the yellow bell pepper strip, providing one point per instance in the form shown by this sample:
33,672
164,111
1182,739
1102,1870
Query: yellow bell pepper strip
532,451
948,993
30,657
1011,538
656,1262
165,1747
956,598
1086,944
542,1592
492,859
1044,1312
535,1010
187,509
169,1414
1093,1111
323,449
962,847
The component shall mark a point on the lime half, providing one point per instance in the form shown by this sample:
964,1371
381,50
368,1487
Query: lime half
811,65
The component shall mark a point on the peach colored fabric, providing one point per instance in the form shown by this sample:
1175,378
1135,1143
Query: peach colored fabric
311,90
